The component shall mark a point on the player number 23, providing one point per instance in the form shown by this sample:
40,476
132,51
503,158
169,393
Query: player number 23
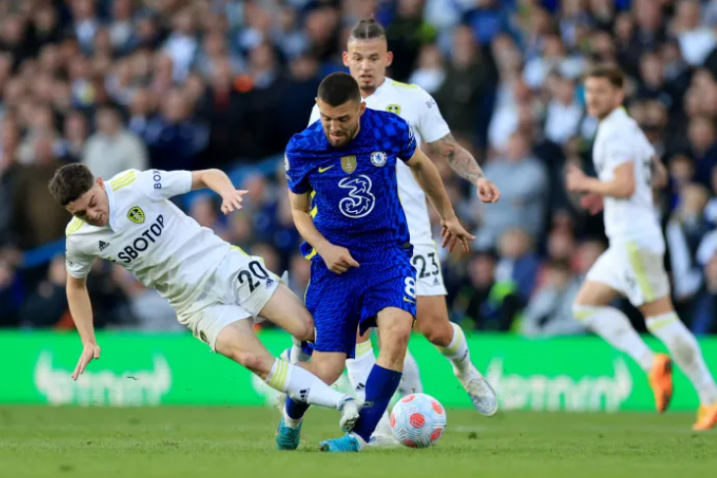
422,272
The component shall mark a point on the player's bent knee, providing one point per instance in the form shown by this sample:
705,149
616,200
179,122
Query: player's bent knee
437,331
304,331
395,337
328,372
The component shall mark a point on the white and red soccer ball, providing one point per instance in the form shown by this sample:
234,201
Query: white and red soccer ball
418,420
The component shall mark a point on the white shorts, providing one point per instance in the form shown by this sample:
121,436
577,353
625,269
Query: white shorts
429,278
239,289
635,271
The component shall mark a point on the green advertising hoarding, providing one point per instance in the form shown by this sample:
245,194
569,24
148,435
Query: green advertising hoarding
571,374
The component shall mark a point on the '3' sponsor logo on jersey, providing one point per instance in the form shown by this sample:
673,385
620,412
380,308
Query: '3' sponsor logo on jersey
360,201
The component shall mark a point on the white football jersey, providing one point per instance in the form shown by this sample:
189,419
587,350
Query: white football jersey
419,109
150,237
619,139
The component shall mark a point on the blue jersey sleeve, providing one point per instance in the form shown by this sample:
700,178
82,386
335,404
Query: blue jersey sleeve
296,171
406,139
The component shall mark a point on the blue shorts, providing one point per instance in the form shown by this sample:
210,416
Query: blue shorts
341,303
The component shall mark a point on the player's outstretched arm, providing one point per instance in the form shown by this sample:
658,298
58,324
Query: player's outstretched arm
81,309
622,185
465,165
338,259
220,183
429,179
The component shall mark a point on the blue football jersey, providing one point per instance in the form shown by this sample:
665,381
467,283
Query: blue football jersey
354,189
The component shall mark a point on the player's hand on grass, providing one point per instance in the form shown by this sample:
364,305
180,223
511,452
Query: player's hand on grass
453,233
592,202
338,259
487,191
232,201
89,353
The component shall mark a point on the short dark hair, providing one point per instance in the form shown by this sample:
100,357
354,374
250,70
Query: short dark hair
338,88
70,182
611,73
367,29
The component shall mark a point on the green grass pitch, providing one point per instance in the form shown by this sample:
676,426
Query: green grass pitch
239,442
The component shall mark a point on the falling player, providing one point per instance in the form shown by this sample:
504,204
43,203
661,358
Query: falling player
367,58
358,241
633,264
213,286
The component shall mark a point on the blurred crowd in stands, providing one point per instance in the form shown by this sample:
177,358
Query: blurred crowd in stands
192,84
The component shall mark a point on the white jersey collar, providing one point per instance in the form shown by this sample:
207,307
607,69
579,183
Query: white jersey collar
616,113
387,82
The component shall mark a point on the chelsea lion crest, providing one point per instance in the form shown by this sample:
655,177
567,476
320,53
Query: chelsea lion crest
378,158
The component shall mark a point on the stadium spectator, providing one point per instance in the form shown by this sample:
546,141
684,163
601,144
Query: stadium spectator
684,234
430,72
696,41
75,132
519,263
36,219
46,306
465,84
490,305
182,45
113,149
564,114
548,313
9,296
523,183
174,138
9,171
703,140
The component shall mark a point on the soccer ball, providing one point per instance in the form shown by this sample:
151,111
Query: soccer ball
418,420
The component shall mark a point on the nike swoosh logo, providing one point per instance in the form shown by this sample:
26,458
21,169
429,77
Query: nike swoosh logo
409,300
323,170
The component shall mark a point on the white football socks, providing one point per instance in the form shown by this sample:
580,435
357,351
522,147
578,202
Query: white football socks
359,368
613,326
302,385
686,352
411,379
457,351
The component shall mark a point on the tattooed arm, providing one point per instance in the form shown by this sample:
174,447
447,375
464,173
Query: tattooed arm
465,165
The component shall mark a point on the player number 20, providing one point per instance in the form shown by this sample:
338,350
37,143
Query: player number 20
247,275
410,287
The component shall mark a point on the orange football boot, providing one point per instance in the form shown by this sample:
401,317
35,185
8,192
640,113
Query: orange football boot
661,381
706,418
